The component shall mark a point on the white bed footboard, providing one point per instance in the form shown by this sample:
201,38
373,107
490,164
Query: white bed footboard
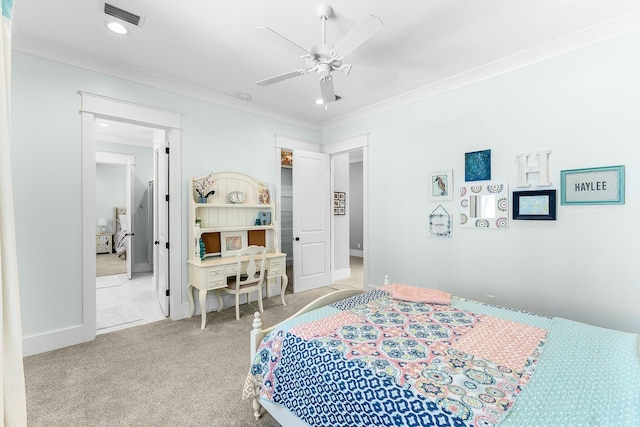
257,333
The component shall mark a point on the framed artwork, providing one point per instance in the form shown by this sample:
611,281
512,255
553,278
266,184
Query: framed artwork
534,205
592,186
286,158
232,241
441,185
440,222
477,166
339,202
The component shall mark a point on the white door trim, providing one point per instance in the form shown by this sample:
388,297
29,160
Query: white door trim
97,106
350,144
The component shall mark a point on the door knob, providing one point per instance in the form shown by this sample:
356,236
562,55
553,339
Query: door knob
157,242
297,239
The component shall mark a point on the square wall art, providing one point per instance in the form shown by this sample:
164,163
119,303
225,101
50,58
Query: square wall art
477,166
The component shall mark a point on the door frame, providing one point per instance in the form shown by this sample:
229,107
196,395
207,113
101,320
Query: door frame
129,162
358,142
95,106
350,144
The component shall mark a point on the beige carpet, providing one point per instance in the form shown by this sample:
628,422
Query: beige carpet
167,373
109,264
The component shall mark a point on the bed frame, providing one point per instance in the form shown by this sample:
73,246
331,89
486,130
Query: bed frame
282,415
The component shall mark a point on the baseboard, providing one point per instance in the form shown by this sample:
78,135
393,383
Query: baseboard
356,252
142,268
54,340
344,273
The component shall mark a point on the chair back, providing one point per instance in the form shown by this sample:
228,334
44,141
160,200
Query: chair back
254,274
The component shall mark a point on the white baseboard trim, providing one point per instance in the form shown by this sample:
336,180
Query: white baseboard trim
356,252
344,273
142,268
41,343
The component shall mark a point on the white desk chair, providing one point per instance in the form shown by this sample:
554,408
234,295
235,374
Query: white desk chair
253,281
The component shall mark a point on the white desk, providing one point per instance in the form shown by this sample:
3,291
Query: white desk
212,273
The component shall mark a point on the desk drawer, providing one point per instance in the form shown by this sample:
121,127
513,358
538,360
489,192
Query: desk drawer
216,283
276,267
215,278
232,270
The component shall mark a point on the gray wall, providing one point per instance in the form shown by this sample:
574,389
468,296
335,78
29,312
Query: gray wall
355,206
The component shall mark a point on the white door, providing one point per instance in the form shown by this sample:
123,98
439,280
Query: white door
129,236
161,223
311,220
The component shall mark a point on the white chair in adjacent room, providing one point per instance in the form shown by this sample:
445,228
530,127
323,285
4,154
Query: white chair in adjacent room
248,279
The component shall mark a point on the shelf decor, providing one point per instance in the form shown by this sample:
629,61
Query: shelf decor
534,205
201,187
232,241
593,186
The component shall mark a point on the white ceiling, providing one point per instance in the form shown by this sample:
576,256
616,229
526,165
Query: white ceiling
210,49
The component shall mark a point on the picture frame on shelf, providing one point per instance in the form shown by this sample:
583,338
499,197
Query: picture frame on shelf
232,241
592,186
534,205
441,185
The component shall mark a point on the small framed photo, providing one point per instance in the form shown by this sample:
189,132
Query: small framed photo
232,241
339,202
534,205
593,186
441,185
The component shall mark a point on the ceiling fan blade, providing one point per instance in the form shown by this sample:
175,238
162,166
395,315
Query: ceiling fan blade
281,77
282,41
326,89
359,34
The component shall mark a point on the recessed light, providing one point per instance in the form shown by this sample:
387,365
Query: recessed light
117,28
104,125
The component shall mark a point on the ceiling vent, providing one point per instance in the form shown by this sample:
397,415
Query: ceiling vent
129,17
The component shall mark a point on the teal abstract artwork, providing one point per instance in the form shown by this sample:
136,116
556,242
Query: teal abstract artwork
477,166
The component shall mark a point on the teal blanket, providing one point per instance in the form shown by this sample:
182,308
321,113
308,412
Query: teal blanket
587,376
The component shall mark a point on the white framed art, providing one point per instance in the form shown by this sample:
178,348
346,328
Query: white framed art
441,185
232,241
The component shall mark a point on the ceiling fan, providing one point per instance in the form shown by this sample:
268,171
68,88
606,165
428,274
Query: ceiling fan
324,58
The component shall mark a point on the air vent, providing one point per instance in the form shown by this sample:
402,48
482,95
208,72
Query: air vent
116,12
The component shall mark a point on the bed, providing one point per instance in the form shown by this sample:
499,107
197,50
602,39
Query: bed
120,222
406,356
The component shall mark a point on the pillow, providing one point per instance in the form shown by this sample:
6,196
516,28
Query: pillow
123,222
415,294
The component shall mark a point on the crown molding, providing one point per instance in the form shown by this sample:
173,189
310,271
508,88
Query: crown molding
88,61
590,36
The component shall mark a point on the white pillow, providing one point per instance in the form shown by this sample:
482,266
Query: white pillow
123,222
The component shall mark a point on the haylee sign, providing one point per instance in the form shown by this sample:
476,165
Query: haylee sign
593,186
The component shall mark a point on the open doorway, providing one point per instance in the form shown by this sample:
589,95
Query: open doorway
348,242
124,188
348,185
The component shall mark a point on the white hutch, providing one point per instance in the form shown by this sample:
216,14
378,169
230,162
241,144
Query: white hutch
239,213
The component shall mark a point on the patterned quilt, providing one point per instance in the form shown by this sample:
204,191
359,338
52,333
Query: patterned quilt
377,361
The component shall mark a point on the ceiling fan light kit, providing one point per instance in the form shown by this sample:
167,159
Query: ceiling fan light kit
324,58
